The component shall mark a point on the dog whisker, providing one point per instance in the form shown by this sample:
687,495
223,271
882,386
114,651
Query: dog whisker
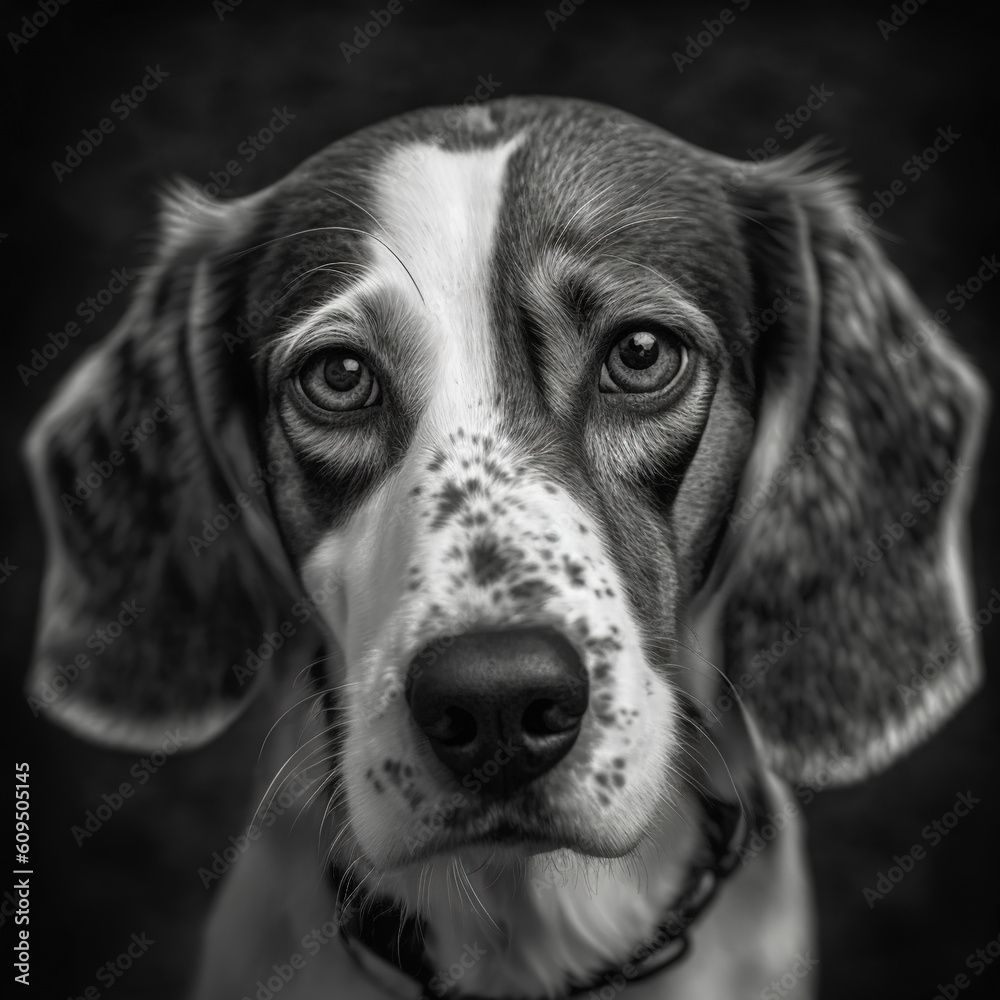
332,267
353,203
586,426
331,229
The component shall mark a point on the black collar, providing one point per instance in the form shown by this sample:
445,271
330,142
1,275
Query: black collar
384,934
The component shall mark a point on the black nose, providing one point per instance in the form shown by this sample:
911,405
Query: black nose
514,698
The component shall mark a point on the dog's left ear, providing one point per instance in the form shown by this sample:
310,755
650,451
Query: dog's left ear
163,563
849,624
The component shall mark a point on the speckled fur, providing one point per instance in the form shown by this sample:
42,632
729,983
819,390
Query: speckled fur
483,261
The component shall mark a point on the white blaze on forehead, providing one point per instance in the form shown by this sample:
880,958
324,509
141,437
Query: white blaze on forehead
438,212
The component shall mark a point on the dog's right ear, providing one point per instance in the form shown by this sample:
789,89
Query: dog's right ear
849,587
163,563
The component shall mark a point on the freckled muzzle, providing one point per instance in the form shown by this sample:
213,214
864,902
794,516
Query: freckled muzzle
517,696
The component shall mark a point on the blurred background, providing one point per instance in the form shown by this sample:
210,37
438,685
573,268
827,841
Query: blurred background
209,77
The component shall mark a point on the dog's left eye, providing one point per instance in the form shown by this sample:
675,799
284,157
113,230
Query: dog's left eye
339,380
643,361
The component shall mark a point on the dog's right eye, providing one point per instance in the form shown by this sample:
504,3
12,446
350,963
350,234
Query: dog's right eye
339,380
644,361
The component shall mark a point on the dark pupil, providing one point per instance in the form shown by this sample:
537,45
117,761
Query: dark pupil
639,351
342,372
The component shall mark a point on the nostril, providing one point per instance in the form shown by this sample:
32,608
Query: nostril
545,716
454,727
524,691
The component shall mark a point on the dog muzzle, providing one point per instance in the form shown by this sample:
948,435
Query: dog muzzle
388,946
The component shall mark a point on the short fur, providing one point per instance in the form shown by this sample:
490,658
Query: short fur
484,260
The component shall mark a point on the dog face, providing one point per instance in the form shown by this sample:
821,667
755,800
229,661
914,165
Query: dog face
538,442
540,394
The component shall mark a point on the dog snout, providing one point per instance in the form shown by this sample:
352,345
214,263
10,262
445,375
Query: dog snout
517,697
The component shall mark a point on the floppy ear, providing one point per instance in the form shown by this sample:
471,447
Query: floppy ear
848,616
163,563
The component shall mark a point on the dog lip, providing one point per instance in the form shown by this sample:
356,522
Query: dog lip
527,845
511,828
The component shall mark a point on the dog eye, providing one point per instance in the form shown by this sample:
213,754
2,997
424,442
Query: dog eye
339,380
643,361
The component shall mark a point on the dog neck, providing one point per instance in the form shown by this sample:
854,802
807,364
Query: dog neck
493,925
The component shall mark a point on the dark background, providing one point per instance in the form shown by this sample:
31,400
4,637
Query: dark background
62,239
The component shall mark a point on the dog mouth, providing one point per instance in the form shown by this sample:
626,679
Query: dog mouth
520,828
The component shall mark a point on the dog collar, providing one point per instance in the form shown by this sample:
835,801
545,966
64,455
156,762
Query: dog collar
386,944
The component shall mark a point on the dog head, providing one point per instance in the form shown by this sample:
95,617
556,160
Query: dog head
550,416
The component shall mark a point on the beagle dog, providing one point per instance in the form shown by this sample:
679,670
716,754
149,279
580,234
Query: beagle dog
556,484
